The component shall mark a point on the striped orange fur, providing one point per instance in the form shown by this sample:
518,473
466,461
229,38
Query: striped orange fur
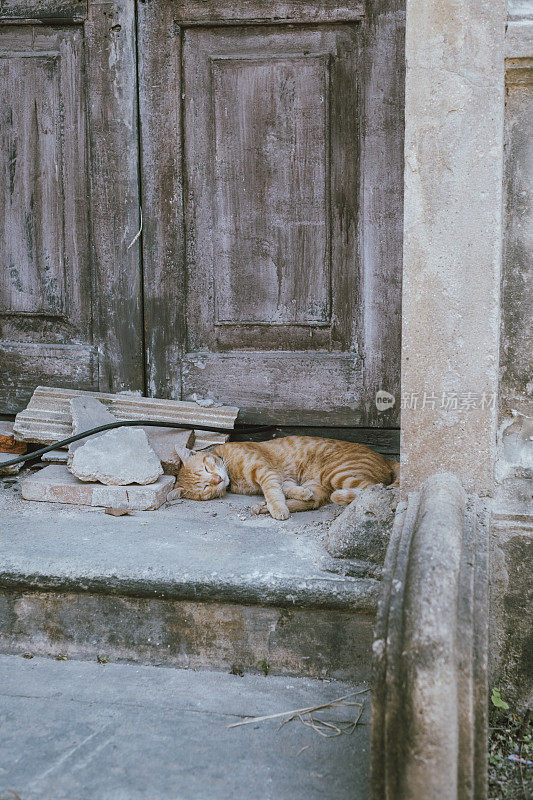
294,473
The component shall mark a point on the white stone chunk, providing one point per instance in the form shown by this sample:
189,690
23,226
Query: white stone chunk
87,413
6,428
117,457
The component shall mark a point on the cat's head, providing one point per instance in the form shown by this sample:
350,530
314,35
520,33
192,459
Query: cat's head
202,476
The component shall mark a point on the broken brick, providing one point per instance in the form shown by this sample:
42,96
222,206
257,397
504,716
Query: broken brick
56,484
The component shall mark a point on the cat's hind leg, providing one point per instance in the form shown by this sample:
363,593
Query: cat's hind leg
343,497
294,491
292,505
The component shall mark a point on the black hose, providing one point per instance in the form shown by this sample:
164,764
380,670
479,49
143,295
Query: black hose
126,423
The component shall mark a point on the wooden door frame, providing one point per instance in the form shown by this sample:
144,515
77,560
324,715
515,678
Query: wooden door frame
113,125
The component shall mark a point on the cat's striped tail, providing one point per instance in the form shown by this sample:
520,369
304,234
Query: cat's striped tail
395,468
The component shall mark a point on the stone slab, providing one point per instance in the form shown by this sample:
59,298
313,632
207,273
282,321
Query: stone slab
203,439
164,442
88,731
55,457
56,484
117,458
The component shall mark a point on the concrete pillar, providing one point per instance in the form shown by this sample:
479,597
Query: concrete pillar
454,109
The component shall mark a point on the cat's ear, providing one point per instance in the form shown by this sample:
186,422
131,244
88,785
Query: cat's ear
183,453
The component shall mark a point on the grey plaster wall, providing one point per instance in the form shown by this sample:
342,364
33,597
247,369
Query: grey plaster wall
515,454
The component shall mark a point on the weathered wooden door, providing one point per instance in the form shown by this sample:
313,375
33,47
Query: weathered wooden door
271,183
264,141
70,289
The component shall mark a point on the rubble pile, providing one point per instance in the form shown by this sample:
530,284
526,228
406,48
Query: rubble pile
129,468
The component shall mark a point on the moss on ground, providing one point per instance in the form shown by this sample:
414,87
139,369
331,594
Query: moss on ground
510,734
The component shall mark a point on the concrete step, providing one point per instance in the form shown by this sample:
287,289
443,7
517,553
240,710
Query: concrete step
85,731
190,585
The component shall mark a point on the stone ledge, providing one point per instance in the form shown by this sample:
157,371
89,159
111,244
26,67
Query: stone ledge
192,584
358,595
208,552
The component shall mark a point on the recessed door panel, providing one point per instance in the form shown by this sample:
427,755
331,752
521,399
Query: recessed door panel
270,122
271,176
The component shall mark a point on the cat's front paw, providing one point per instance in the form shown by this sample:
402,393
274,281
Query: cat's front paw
280,512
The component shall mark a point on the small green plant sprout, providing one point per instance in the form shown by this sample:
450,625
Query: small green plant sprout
496,700
265,666
102,659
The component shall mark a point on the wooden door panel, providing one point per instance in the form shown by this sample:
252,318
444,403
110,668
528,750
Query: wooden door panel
45,10
271,217
270,165
281,386
223,12
32,207
43,202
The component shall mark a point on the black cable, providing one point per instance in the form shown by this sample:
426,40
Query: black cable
126,423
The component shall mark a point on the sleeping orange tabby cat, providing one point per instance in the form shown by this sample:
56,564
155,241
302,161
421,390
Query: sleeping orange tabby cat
295,473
